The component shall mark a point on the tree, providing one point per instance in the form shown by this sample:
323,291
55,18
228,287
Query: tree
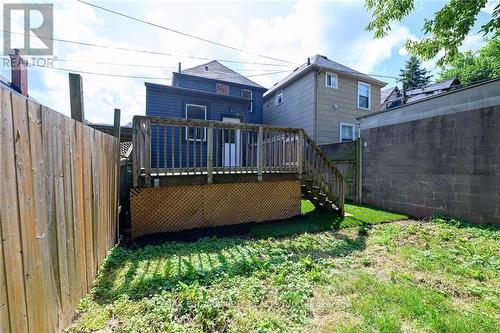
470,66
445,32
413,75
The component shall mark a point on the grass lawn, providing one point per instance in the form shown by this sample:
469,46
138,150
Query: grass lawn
317,273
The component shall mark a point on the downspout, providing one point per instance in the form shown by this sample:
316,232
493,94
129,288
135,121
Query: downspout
315,105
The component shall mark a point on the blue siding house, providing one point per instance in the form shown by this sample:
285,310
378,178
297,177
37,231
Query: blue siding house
210,91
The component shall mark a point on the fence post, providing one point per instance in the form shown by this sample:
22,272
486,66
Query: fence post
147,151
300,149
116,124
116,133
260,153
210,153
359,179
76,97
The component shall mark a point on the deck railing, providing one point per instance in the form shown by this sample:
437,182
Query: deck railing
181,147
165,147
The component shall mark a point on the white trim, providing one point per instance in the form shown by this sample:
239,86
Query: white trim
186,116
353,126
336,80
360,83
279,92
251,98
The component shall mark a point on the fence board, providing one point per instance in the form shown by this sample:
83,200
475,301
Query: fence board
58,212
41,216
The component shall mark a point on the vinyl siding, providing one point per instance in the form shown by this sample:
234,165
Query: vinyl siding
340,105
297,107
163,102
209,85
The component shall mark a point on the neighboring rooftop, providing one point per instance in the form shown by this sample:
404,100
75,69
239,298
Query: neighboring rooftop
321,61
438,86
217,71
384,94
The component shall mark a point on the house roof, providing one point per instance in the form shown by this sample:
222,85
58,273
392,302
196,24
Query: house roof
217,71
320,61
428,89
384,94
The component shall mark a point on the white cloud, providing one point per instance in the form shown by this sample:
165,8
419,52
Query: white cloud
368,53
490,6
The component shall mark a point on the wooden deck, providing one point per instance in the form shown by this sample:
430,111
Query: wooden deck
182,152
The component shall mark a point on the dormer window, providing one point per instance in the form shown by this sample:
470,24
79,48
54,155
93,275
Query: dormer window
247,94
278,97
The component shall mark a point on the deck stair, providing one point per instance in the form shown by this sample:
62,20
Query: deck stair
322,183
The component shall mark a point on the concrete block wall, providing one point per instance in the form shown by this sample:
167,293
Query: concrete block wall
447,163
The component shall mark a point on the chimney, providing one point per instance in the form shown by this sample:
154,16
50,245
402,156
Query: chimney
308,61
19,76
179,66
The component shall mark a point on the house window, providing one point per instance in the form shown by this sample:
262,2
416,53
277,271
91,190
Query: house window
278,97
364,92
331,80
347,132
194,111
245,93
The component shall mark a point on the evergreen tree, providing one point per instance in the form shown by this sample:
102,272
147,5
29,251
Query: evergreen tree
413,75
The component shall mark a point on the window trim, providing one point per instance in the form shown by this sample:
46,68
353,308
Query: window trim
186,116
336,81
276,99
360,83
251,98
353,126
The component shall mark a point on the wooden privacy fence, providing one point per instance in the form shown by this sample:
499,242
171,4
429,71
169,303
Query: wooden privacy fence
346,156
58,205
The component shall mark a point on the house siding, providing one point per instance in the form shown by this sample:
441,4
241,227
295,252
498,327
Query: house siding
340,105
162,102
209,85
297,109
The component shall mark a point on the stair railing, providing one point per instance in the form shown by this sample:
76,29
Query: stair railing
323,173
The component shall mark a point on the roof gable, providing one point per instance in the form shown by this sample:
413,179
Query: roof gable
216,71
320,61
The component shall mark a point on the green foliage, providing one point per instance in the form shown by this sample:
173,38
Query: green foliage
471,67
439,276
444,32
413,76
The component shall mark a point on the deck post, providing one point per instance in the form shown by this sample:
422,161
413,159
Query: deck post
210,153
135,151
147,151
300,149
260,153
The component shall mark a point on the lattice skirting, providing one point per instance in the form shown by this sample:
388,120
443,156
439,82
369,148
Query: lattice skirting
175,208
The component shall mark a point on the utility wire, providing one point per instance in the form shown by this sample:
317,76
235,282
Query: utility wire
183,33
70,70
145,51
150,66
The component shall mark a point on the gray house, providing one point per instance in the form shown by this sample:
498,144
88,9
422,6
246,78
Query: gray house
324,98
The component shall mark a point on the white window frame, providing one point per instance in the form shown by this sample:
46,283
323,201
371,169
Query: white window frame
187,129
336,86
360,83
353,126
280,92
251,98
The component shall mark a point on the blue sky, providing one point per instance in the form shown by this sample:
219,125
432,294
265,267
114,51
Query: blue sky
285,30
